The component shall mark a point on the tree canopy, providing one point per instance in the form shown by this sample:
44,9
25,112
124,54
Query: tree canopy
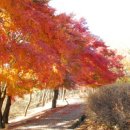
41,49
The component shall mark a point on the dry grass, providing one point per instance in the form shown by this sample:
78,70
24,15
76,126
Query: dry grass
110,105
95,125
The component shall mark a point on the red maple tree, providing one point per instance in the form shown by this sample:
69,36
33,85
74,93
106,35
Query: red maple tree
43,50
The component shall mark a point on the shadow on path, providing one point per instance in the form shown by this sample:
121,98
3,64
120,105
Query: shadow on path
58,118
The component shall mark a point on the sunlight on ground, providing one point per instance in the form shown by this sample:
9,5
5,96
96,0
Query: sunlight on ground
63,123
57,120
36,128
45,127
34,111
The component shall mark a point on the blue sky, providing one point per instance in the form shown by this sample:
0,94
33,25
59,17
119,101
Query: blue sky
109,19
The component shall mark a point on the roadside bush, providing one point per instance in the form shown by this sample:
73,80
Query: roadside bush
110,105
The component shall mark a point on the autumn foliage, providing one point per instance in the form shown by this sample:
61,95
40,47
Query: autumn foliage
41,49
53,47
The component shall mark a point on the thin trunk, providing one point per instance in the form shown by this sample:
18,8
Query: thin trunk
30,99
7,110
1,116
40,98
55,97
48,96
64,92
44,96
1,121
2,97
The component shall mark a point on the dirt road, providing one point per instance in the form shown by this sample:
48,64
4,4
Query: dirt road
53,119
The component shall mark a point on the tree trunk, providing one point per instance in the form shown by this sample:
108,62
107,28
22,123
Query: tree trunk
40,98
64,92
1,121
2,97
30,99
7,110
44,96
1,116
55,97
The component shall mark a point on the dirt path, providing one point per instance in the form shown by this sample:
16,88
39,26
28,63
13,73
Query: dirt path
53,119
